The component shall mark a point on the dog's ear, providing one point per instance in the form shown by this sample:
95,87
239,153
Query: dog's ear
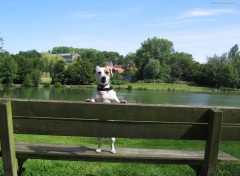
94,71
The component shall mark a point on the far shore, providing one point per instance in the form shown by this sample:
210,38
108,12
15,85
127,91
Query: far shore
164,87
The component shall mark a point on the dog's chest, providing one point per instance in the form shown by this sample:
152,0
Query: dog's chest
105,96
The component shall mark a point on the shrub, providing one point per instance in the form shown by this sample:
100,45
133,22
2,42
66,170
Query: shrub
129,87
27,82
46,84
57,84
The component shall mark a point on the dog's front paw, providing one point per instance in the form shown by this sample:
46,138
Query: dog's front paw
123,101
90,100
113,151
98,150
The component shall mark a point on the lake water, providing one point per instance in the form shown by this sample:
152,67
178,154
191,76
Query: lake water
133,96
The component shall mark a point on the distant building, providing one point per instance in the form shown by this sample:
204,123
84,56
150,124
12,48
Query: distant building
69,57
117,68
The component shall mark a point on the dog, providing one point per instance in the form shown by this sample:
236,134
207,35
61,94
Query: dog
106,94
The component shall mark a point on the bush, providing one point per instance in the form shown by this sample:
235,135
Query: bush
129,87
27,82
46,84
57,84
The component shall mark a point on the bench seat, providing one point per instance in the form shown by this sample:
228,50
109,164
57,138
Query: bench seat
26,150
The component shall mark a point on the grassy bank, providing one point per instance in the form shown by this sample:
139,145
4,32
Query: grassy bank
74,168
162,87
151,86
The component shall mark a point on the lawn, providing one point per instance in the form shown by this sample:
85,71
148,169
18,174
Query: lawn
75,168
163,87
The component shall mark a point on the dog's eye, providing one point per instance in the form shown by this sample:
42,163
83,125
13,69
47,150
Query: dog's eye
99,72
107,72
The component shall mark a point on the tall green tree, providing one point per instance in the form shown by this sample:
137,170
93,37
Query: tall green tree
8,68
79,72
213,71
229,76
152,69
27,62
153,48
58,74
181,65
49,60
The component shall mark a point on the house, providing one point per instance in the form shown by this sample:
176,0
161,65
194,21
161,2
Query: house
69,57
117,68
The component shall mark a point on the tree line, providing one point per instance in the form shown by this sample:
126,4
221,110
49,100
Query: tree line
155,61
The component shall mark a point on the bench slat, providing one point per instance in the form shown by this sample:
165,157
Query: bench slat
71,152
46,108
110,128
130,112
230,133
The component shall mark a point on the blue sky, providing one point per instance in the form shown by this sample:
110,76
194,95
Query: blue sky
199,27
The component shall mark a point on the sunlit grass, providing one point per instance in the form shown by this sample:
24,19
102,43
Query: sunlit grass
77,168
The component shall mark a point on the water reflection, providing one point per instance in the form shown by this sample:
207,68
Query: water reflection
133,96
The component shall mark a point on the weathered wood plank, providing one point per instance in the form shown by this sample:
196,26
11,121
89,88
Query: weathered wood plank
130,112
231,115
45,108
230,133
71,152
110,128
7,139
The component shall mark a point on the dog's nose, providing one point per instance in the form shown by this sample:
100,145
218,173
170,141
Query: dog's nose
103,79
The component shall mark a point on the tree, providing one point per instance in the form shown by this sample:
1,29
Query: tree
36,77
79,72
49,60
152,69
1,44
229,76
8,68
181,65
233,53
213,71
28,62
58,74
129,66
198,74
153,48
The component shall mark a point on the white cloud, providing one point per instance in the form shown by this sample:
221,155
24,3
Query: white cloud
206,12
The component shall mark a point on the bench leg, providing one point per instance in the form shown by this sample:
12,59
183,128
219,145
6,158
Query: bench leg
21,169
7,139
198,169
212,143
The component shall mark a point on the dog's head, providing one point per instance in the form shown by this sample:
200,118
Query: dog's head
103,75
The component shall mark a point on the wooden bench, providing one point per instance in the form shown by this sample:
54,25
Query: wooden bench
68,118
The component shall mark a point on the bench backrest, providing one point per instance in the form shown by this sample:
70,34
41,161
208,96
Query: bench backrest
122,120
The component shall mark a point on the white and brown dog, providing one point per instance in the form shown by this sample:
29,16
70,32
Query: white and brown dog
106,94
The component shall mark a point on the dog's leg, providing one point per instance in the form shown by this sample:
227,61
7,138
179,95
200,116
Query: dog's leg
112,140
99,139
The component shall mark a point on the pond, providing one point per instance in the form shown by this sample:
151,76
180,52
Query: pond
132,96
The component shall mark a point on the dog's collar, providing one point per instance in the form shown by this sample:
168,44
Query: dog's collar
101,88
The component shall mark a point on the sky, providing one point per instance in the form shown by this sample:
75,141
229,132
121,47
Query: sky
198,27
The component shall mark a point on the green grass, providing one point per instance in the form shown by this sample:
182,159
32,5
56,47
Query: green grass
156,86
76,168
143,86
163,87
